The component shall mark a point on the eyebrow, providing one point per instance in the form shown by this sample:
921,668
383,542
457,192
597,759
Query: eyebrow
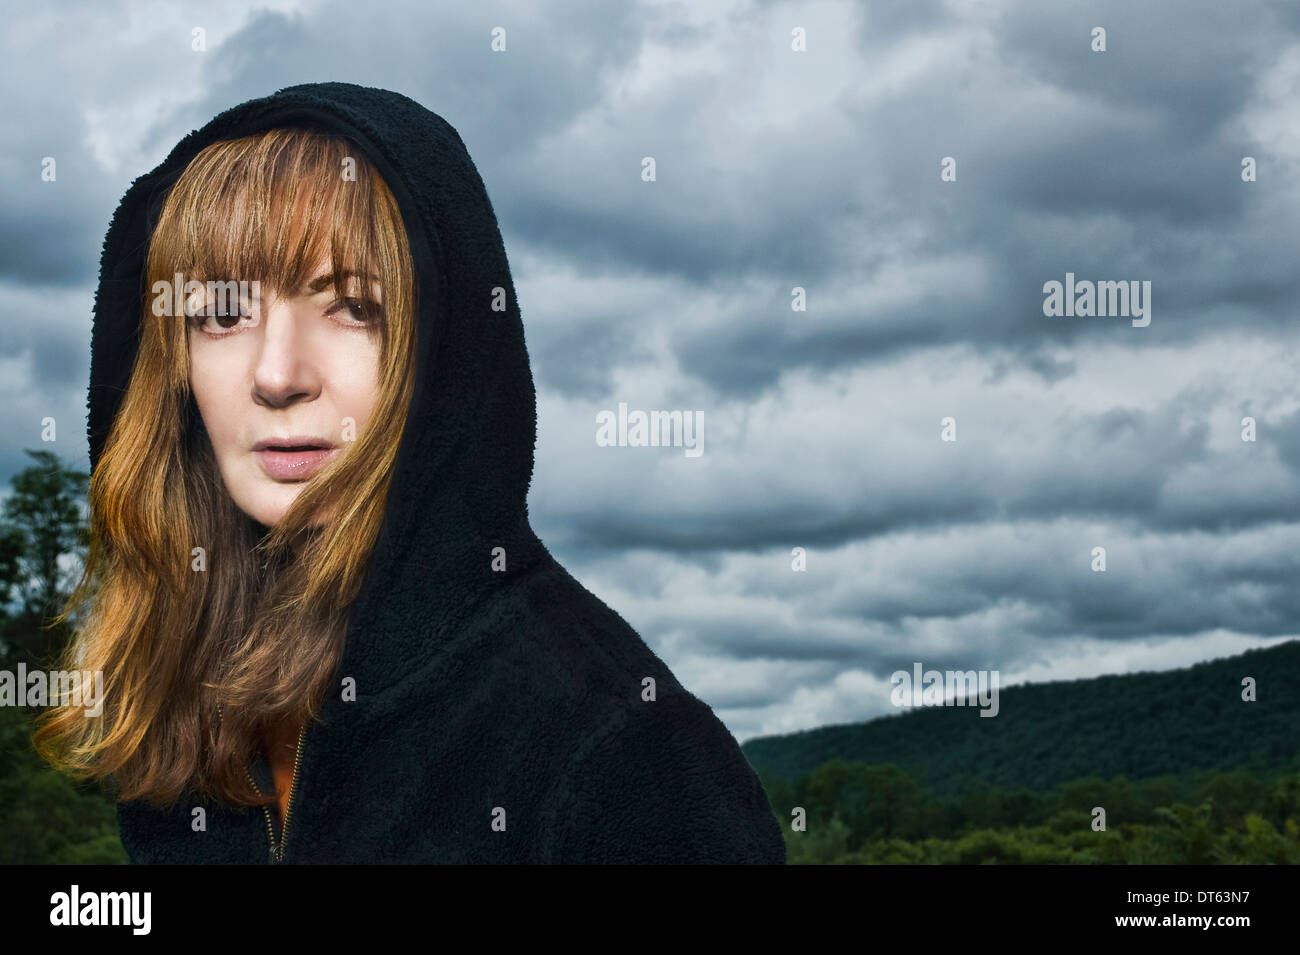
326,280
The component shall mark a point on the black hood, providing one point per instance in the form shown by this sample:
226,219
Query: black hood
462,473
498,717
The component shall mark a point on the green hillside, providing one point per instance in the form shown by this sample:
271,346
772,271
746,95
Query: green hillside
1138,725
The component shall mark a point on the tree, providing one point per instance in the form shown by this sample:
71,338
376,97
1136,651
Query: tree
43,521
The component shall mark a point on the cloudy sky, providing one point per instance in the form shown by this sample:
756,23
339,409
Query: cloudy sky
819,169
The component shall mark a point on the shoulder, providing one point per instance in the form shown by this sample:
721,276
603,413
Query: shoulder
584,648
642,780
664,781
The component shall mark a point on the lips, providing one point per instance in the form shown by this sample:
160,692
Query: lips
293,458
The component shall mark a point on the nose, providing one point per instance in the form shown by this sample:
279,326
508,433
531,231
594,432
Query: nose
283,372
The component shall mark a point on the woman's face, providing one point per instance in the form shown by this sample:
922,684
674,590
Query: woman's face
283,383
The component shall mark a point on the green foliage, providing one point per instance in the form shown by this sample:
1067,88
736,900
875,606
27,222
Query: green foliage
45,817
42,524
1186,771
858,814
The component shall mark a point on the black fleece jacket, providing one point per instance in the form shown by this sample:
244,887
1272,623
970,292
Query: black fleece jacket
482,697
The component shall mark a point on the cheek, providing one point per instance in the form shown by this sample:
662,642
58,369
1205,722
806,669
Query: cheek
357,382
215,393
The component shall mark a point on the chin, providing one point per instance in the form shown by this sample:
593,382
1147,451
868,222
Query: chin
268,506
268,515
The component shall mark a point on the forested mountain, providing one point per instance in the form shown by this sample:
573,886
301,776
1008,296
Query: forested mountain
1137,725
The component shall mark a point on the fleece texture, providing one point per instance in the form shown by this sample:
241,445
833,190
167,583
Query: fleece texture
482,697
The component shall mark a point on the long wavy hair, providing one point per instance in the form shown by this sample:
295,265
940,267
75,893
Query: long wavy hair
200,664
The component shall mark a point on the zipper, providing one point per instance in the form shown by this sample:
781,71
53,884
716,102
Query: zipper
277,853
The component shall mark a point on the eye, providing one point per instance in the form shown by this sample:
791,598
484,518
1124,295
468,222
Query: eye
200,322
362,311
226,320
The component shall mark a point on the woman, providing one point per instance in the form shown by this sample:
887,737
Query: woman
327,630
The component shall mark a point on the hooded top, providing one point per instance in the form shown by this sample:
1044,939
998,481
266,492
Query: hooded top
498,715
